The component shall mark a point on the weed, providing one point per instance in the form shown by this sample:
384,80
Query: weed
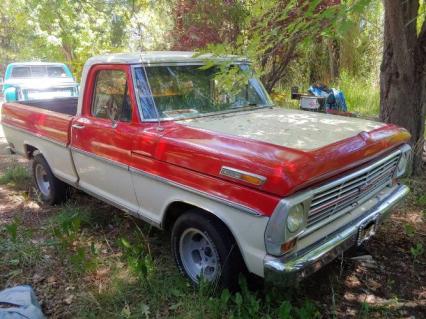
140,262
67,224
82,260
417,250
67,232
409,230
16,248
17,176
284,311
365,310
421,200
12,230
362,96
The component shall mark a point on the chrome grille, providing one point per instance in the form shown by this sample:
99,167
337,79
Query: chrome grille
331,199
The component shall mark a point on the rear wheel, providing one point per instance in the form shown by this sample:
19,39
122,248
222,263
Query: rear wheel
204,249
50,189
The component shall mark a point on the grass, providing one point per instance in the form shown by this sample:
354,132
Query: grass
86,259
17,251
119,267
361,95
16,176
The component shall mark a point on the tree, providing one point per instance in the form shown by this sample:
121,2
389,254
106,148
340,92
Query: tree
199,23
276,33
403,72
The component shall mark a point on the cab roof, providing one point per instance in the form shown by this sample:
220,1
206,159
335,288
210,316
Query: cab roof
35,63
159,57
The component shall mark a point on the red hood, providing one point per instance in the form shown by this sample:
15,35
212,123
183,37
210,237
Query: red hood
286,169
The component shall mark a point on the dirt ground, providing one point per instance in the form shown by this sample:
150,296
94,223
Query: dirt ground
390,284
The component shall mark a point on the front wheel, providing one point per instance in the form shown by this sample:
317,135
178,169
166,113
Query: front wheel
204,249
50,189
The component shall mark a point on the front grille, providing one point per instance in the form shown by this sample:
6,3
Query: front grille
334,198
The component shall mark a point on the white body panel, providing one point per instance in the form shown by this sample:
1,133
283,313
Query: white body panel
57,155
108,180
155,196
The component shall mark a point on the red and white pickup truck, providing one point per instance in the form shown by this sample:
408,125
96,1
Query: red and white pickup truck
197,148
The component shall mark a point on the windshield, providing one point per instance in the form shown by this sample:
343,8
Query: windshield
176,92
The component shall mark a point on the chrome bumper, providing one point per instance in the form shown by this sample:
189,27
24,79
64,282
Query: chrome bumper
288,270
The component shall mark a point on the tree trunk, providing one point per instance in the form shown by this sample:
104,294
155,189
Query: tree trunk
333,56
402,77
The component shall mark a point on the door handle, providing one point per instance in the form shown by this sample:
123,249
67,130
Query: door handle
77,126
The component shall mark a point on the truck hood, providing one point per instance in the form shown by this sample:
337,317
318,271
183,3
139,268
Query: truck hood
295,129
291,149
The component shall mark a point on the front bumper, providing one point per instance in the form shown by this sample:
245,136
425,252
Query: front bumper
288,270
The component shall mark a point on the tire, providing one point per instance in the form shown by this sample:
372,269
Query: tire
49,189
204,248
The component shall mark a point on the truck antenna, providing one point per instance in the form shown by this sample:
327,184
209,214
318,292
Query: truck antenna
159,128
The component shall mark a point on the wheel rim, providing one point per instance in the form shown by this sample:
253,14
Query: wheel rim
198,255
42,180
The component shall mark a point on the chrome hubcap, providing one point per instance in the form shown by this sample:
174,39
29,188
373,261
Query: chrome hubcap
198,255
42,180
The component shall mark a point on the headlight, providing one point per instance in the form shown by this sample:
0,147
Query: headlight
287,223
402,165
403,161
295,219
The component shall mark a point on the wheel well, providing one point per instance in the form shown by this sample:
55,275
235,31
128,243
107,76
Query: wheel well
29,151
175,209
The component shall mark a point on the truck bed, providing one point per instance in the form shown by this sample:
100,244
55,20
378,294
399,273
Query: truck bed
63,105
48,119
44,125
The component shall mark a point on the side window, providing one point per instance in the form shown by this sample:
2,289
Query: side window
111,95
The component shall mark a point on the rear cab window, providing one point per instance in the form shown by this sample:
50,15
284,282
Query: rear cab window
37,71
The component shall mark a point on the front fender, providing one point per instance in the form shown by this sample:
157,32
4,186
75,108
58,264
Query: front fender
11,94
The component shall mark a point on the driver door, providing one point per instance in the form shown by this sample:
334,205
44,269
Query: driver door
102,137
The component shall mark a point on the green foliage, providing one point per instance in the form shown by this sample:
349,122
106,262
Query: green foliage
72,31
67,224
138,259
12,230
417,250
421,200
17,251
409,230
17,176
66,229
365,310
362,96
82,260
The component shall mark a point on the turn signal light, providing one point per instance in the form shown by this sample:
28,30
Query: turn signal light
288,246
252,179
247,177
